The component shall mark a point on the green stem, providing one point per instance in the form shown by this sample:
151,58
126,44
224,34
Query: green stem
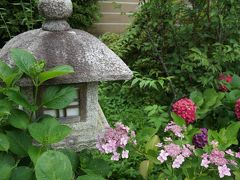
5,24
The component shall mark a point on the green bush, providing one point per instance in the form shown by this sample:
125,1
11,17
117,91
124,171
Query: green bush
186,43
20,16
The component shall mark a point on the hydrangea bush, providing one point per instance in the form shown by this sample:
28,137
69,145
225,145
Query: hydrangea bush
187,147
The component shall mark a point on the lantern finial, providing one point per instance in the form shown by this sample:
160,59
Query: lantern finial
56,12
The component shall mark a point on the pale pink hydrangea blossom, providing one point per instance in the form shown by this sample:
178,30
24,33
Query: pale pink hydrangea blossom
176,152
115,140
219,159
177,130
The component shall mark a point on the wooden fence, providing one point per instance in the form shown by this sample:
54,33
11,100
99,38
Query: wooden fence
115,16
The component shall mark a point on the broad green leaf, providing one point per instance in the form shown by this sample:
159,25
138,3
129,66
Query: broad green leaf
22,173
72,156
147,133
177,119
5,107
97,167
34,153
145,168
4,143
151,144
53,165
48,131
19,99
7,164
232,133
197,98
55,72
58,97
23,59
210,97
233,96
235,81
90,177
19,142
8,75
19,119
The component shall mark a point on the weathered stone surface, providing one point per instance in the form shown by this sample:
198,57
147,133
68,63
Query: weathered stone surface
56,12
92,60
84,134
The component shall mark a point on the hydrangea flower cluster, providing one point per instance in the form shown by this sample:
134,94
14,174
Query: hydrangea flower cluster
177,130
226,78
200,140
115,141
219,159
237,109
186,109
175,152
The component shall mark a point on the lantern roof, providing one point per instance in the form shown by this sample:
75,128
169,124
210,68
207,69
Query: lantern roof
58,44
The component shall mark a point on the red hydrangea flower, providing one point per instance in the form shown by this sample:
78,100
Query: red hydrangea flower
226,78
186,109
237,109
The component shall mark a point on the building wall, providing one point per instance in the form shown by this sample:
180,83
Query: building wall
115,16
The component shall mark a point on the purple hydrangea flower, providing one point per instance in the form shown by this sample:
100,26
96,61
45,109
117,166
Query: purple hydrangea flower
201,139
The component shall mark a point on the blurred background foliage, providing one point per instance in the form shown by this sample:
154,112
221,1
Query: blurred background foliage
17,16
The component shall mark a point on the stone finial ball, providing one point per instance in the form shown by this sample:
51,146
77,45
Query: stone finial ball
55,9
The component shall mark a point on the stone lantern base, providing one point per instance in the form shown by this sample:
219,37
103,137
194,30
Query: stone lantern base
84,134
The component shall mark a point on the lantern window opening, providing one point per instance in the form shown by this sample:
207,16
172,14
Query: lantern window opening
72,110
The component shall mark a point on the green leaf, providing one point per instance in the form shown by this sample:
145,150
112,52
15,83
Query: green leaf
53,165
7,164
19,142
177,119
19,119
58,97
235,83
147,132
34,153
22,173
5,107
90,177
197,98
151,144
145,167
4,143
96,167
55,72
23,59
48,131
19,99
72,156
210,97
232,133
8,75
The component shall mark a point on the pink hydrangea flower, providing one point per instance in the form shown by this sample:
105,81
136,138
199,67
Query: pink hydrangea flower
125,154
217,157
227,79
172,149
177,130
237,109
178,161
205,162
186,109
162,156
237,155
229,152
223,171
115,157
115,140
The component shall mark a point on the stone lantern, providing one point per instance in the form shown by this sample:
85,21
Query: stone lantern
93,61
